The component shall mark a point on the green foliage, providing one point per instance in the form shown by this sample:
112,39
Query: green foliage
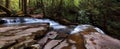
37,11
83,17
14,5
101,9
33,3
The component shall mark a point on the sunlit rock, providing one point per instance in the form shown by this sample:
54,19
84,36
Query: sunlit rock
95,40
51,44
48,34
35,46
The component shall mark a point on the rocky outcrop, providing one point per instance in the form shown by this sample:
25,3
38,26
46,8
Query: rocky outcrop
21,36
40,36
89,38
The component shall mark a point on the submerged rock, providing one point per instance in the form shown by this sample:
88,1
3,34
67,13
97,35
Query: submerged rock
2,21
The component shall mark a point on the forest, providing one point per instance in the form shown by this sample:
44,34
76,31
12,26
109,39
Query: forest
104,14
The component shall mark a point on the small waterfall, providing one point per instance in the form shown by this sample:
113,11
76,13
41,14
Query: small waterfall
99,30
79,28
53,24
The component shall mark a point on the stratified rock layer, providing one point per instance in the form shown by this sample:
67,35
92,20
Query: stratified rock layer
21,36
40,36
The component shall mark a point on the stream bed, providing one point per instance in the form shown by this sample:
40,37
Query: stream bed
33,33
17,21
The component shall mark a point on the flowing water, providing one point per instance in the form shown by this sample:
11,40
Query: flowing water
10,21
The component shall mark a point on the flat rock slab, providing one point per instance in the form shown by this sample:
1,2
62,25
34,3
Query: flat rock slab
18,34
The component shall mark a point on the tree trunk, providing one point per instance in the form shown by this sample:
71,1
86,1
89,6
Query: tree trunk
29,3
90,15
7,3
106,15
24,6
43,8
20,4
60,8
105,22
1,2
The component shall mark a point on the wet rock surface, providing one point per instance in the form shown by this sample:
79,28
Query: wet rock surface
55,36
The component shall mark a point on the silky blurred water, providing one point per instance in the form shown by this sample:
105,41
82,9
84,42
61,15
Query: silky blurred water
13,21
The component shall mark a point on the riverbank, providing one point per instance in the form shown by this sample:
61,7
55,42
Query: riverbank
42,36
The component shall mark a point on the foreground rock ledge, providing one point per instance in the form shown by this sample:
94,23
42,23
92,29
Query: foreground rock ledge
40,37
21,36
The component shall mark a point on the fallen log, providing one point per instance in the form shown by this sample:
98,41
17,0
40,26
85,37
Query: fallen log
6,10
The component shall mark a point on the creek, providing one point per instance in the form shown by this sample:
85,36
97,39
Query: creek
16,21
